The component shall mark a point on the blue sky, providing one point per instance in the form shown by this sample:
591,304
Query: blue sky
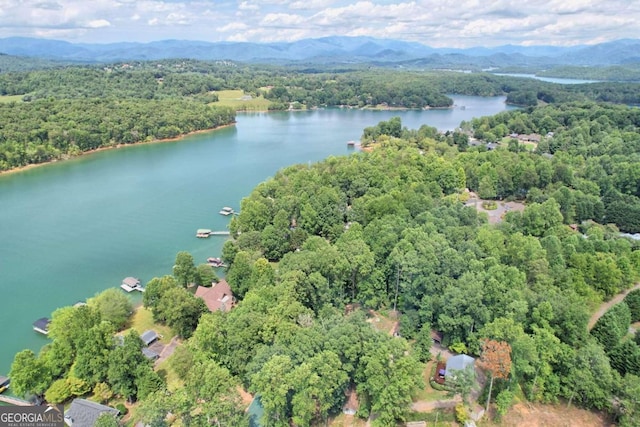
444,23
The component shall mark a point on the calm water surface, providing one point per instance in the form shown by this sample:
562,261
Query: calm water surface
548,79
72,229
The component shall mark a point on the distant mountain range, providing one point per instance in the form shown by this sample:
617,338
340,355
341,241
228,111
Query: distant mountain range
331,50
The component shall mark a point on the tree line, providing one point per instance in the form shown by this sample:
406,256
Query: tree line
50,129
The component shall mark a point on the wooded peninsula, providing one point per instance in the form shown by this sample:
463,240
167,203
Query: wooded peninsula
320,253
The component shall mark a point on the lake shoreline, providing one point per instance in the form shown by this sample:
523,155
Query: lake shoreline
113,147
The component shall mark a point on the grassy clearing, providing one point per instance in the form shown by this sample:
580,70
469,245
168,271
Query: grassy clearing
428,393
11,98
142,320
343,420
171,378
435,418
234,99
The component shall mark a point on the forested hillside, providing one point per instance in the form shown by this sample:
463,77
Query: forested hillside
388,229
594,172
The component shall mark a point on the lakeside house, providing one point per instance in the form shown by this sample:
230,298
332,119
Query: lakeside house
85,413
217,297
42,325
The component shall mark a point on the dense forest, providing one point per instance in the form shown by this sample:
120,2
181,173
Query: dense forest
594,170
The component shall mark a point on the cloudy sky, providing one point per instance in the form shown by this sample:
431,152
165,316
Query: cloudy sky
437,23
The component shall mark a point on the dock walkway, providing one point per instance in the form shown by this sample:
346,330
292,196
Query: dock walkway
15,401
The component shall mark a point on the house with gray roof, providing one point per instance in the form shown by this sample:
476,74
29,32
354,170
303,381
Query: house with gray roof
458,363
149,337
150,354
85,413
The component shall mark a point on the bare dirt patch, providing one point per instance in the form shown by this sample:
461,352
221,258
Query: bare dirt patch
245,396
538,415
495,215
608,304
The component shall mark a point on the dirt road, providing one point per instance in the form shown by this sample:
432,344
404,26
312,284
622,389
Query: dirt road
607,305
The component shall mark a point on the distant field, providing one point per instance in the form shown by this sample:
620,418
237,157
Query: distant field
11,98
234,98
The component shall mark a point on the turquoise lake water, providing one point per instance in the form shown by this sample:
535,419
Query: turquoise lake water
71,229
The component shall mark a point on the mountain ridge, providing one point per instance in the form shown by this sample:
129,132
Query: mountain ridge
333,48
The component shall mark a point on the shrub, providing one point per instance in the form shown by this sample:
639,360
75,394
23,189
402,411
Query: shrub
462,415
123,409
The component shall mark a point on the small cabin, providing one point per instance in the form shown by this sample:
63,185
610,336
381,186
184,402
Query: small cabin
149,337
150,354
42,325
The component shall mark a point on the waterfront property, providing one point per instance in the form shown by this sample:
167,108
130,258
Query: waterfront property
130,284
217,297
85,413
179,186
42,325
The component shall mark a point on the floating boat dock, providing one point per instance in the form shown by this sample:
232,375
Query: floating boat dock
227,211
215,262
131,284
42,325
203,233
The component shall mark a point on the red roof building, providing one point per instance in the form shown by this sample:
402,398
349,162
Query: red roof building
217,297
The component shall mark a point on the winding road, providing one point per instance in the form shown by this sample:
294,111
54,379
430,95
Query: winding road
608,304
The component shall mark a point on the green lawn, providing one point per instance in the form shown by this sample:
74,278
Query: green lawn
233,98
11,98
142,320
428,393
171,378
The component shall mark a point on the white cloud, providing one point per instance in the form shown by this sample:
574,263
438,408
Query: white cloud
98,23
245,5
455,23
281,19
233,26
